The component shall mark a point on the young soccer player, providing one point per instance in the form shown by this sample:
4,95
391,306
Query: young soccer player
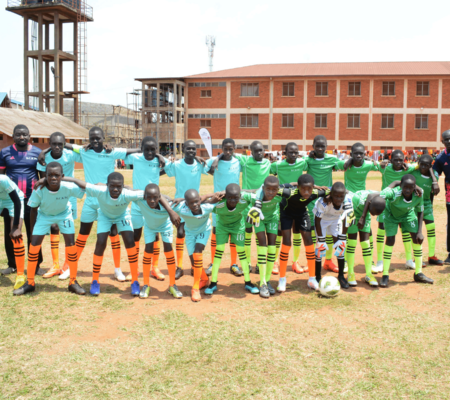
188,173
113,201
332,218
67,159
53,202
157,214
404,208
230,216
146,169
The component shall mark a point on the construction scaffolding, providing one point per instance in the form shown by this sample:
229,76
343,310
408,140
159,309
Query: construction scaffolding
134,130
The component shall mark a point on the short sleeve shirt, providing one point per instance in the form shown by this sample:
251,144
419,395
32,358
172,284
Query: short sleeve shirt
97,166
442,165
227,172
425,183
187,176
328,212
296,204
254,172
321,169
232,219
389,174
67,161
155,219
286,172
144,171
7,186
195,224
355,177
398,206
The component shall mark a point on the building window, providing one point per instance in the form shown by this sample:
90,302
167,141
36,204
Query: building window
34,140
1,137
321,88
205,93
288,89
205,123
421,121
387,121
354,88
287,121
321,121
388,88
423,88
249,89
249,120
353,121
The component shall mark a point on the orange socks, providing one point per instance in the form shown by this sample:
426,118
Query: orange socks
284,255
72,260
80,243
310,256
180,250
97,267
213,246
19,255
133,260
170,261
33,256
136,244
156,252
54,244
233,253
147,264
198,269
115,245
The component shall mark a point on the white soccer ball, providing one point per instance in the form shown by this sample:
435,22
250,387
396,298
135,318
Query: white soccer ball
329,286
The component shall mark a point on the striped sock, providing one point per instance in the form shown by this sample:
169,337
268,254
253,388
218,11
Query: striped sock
115,245
54,245
19,255
387,255
313,237
284,255
220,248
271,250
156,253
297,245
213,246
380,244
198,267
371,247
406,236
72,260
244,262
81,243
262,257
311,259
133,261
367,256
329,241
417,248
97,267
233,254
146,267
170,261
277,245
248,247
350,255
179,248
33,256
431,234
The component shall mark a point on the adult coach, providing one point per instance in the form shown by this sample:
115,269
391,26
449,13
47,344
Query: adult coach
18,162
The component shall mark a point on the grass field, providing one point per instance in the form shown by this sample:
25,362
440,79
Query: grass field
366,343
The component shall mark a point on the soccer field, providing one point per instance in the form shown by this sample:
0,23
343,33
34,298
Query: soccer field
366,343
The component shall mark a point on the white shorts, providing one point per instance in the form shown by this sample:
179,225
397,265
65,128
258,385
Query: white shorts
331,227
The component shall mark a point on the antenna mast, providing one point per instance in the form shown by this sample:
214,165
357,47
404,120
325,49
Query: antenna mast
210,42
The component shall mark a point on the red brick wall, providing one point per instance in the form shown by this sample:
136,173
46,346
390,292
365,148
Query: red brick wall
446,93
355,101
217,130
430,101
328,132
291,134
354,133
394,134
262,101
380,101
218,97
322,101
445,123
260,133
421,135
280,101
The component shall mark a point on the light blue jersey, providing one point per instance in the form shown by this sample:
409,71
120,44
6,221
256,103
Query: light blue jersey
187,176
195,224
156,221
227,172
97,166
67,161
7,186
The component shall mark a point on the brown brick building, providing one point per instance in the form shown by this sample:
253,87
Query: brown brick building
402,105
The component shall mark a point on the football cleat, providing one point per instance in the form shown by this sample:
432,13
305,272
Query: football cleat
95,288
281,285
76,288
119,275
264,292
211,288
371,280
235,270
384,283
250,287
330,266
195,295
343,282
145,292
421,278
352,280
297,268
313,284
20,281
156,273
26,288
178,273
135,289
175,292
276,268
55,270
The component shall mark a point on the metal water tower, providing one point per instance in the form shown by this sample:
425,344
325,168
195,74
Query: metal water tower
210,42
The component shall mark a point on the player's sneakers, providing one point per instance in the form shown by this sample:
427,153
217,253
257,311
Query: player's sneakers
40,271
272,291
64,275
235,270
446,262
352,280
95,288
343,282
410,264
76,288
435,261
20,281
26,288
264,292
178,273
129,277
384,283
281,285
135,289
208,271
380,266
250,287
195,295
374,268
11,270
371,280
421,278
313,284
330,266
211,288
297,268
203,284
54,270
175,292
276,268
145,292
119,275
157,274
345,267
249,269
257,269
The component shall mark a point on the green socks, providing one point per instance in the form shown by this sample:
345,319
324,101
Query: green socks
380,243
387,259
417,248
350,255
406,236
244,263
297,245
262,256
248,246
371,246
313,236
271,250
220,248
431,234
278,245
367,256
329,241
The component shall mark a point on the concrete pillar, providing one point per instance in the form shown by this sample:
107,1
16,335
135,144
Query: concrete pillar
270,114
25,62
338,108
47,67
40,63
56,62
370,114
76,117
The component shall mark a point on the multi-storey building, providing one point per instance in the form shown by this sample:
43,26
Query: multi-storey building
384,105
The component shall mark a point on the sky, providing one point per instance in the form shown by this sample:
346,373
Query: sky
144,39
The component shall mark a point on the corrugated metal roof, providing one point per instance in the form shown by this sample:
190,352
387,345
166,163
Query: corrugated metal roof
40,124
334,69
2,96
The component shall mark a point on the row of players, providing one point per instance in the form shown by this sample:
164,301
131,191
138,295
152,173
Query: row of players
225,168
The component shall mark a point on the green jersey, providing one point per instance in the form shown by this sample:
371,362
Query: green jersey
398,207
271,208
253,172
232,219
286,172
355,177
425,183
390,175
321,169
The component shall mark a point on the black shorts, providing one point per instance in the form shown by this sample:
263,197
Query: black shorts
302,221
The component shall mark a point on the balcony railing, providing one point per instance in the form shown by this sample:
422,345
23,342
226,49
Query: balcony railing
77,5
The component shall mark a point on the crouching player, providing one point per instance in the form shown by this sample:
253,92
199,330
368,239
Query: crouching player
113,200
230,224
332,218
158,219
52,197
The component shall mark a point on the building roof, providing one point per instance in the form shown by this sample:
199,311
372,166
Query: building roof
334,69
40,124
2,96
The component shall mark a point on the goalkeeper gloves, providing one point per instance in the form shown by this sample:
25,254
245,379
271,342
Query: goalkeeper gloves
255,215
321,247
340,246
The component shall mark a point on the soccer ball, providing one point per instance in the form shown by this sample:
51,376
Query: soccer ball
329,286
